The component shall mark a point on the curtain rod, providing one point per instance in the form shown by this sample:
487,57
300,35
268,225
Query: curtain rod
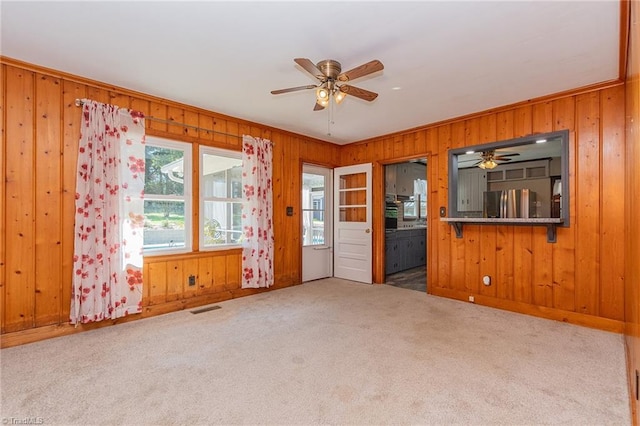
80,102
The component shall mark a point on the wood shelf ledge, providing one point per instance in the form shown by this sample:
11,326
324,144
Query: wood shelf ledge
551,223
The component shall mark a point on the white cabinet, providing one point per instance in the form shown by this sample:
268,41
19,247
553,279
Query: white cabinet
406,174
472,183
390,179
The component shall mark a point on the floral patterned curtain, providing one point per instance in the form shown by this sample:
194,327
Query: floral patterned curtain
257,213
107,261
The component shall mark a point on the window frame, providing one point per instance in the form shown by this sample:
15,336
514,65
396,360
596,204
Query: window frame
208,150
186,197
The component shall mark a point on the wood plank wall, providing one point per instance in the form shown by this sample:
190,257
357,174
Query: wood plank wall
40,131
632,223
580,278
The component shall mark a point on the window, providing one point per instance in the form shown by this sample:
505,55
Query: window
313,209
220,198
167,196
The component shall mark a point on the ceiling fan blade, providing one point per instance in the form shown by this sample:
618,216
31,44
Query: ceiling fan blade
293,89
509,155
310,67
361,71
501,158
358,92
318,107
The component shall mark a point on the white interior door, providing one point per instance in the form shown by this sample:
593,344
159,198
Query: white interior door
317,230
352,259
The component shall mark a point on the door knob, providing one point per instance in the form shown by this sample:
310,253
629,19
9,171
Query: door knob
367,230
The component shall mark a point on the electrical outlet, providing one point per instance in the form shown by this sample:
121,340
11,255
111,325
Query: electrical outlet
192,280
472,299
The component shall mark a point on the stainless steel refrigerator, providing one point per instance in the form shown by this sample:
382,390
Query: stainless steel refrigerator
509,203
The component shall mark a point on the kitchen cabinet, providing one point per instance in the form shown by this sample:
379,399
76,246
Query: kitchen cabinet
390,179
405,249
406,173
472,183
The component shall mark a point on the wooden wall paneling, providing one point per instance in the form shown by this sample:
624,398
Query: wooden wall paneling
146,291
48,200
281,246
195,197
205,121
156,281
160,112
542,117
632,206
293,193
458,260
542,256
233,129
3,203
378,221
522,121
398,148
97,94
443,230
588,203
20,204
175,114
504,282
233,266
387,149
175,280
141,105
487,132
119,100
612,202
522,251
420,142
192,119
471,233
522,264
190,267
72,118
220,125
564,266
428,143
219,273
205,275
408,144
505,279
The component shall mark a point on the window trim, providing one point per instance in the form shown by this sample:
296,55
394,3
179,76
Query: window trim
187,196
208,150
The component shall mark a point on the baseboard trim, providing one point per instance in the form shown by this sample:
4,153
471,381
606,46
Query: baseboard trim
576,318
33,335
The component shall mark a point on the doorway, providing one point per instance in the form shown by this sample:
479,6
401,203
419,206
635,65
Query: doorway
317,223
406,221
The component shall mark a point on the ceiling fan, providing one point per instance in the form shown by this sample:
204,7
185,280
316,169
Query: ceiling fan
489,159
332,82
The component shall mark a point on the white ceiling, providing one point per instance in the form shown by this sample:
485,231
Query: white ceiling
447,58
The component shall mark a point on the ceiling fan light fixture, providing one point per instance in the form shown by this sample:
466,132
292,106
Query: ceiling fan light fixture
339,96
488,164
322,94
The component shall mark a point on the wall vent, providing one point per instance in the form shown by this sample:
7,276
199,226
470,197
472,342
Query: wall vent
206,309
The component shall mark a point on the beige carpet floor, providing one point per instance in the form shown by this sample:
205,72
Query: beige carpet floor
325,352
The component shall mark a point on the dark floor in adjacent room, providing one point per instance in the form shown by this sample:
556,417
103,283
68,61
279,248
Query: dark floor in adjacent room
412,279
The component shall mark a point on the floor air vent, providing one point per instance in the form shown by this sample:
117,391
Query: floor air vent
207,309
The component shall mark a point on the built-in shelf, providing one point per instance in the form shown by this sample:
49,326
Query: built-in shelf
551,223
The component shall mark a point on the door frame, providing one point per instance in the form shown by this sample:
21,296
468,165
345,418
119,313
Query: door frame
328,210
379,246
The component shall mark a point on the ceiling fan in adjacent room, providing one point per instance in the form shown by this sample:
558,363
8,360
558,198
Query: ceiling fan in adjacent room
333,82
489,159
